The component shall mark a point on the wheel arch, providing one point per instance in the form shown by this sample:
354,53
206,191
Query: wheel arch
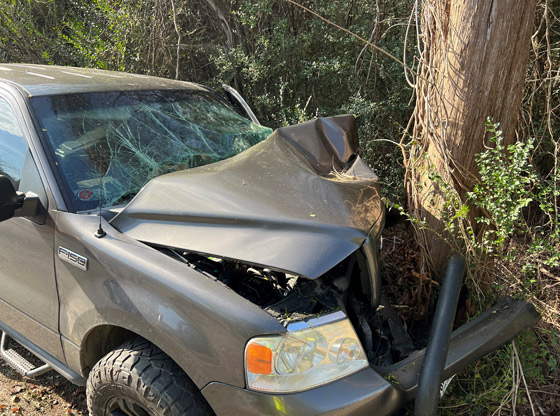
100,341
105,337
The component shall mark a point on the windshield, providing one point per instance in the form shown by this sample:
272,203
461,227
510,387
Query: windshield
131,137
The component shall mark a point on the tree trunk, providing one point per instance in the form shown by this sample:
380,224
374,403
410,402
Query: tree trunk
472,67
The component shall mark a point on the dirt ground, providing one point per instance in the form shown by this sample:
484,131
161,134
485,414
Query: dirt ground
49,394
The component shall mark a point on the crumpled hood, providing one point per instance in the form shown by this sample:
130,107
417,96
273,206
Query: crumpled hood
279,204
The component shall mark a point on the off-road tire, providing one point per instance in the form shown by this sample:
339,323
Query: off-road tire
138,376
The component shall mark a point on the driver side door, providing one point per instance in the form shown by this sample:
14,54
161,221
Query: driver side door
28,293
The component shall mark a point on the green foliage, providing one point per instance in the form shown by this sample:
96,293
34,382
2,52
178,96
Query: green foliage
517,203
507,186
289,58
518,210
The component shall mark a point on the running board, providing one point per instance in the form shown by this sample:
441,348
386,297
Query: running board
19,363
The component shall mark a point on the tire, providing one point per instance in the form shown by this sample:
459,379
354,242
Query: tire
138,379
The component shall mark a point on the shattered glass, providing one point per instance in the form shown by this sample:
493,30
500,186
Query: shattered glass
133,136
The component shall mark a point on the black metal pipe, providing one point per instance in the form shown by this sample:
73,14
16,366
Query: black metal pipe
428,394
369,249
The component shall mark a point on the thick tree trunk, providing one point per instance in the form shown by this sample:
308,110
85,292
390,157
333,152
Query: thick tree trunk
473,67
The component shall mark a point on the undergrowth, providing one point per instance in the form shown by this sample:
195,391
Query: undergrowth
509,228
519,240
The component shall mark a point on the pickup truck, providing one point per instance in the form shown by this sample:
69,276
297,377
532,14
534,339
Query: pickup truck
160,246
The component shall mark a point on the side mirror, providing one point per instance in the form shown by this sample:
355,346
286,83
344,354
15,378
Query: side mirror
239,103
17,204
10,199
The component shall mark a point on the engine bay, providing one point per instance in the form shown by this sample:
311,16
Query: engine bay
291,298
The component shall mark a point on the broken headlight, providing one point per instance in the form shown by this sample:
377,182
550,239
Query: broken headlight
310,354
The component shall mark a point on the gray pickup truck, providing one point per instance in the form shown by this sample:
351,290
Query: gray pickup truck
160,246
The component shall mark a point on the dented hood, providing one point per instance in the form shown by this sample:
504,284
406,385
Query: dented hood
284,203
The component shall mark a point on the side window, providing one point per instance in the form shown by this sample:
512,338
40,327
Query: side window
12,144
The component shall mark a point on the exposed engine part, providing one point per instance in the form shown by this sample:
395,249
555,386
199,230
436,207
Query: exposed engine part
401,343
290,298
381,331
371,331
287,297
362,328
261,286
311,298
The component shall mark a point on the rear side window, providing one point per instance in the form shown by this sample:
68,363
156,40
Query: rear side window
12,144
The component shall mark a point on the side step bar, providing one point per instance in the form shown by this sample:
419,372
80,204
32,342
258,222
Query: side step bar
19,363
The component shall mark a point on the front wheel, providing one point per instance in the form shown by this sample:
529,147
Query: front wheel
138,379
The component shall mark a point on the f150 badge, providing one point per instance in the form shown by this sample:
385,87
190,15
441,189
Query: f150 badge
75,259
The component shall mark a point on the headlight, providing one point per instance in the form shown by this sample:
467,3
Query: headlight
310,354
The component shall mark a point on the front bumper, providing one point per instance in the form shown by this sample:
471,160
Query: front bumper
369,390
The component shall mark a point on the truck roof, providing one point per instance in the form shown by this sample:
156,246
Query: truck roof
37,80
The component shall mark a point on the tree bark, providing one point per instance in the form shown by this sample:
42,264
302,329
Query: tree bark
473,65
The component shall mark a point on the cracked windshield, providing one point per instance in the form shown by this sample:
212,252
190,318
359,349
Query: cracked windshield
130,137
